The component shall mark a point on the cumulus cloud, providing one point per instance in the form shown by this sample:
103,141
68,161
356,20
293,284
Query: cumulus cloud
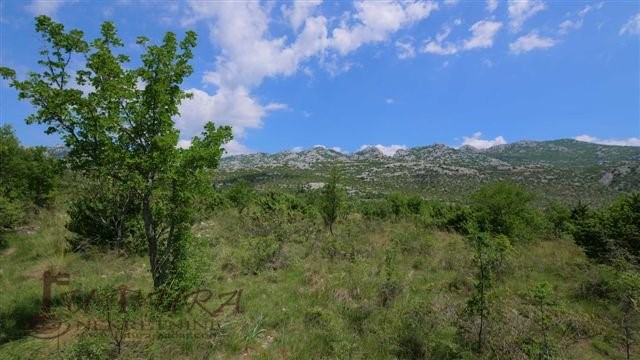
44,7
483,34
632,141
477,142
631,27
376,20
522,10
297,149
389,150
233,147
530,42
299,11
249,53
228,106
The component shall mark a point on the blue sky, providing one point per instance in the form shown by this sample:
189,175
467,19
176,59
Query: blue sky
391,73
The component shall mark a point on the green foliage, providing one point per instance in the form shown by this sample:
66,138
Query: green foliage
125,131
27,178
240,194
542,297
87,347
374,209
332,199
262,253
559,218
450,217
106,216
503,208
609,234
489,253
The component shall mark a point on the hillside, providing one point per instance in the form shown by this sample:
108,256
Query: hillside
557,169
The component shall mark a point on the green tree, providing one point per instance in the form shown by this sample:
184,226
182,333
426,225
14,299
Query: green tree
332,199
27,178
610,234
488,255
241,195
542,298
503,208
123,127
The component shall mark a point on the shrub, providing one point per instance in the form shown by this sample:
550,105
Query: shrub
609,234
503,208
241,195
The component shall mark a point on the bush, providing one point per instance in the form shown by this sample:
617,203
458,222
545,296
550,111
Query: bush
609,234
241,195
263,253
502,208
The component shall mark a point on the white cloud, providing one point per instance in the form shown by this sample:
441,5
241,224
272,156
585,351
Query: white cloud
389,101
567,25
589,8
299,11
233,147
184,143
230,107
405,50
44,7
530,42
631,27
386,150
522,10
632,141
477,142
577,19
482,36
483,33
376,20
433,47
492,5
451,2
297,149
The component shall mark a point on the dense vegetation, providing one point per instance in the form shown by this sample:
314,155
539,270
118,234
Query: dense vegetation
27,177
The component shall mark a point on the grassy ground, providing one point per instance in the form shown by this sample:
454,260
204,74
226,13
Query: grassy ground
377,289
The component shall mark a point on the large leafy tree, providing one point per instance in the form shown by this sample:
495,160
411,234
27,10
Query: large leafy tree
121,126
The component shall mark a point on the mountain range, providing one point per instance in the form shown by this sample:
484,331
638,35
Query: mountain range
556,169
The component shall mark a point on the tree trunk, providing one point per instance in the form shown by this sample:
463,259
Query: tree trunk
152,240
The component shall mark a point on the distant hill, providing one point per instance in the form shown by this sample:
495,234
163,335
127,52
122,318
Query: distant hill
557,169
